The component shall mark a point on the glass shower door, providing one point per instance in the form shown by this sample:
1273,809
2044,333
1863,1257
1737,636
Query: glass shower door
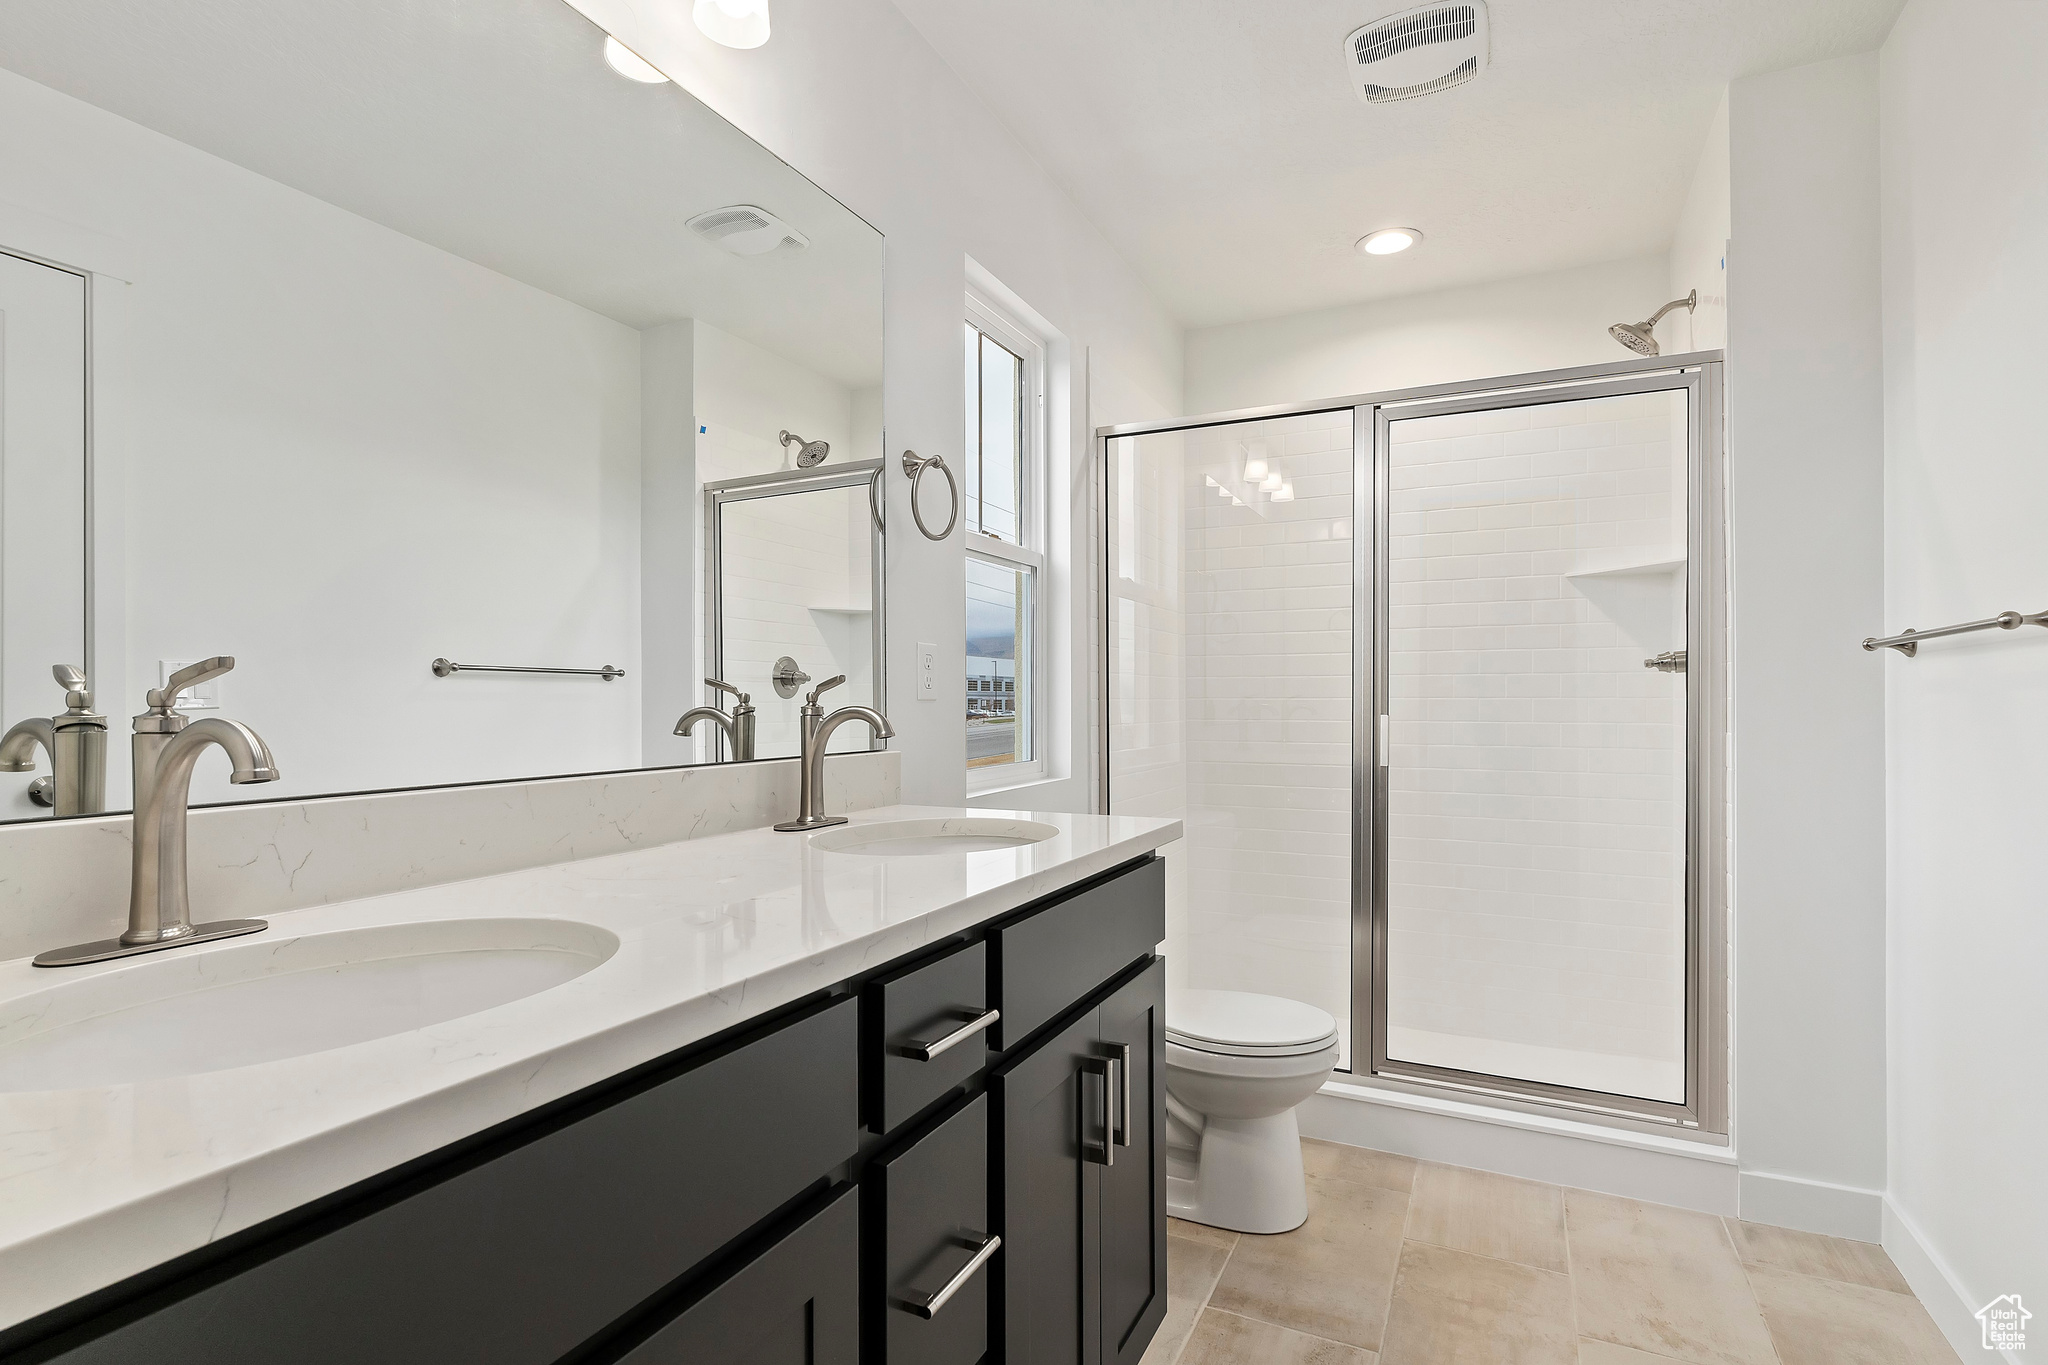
1231,563
1534,923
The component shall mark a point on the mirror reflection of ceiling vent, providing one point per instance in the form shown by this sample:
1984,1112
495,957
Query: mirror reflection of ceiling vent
747,230
1417,52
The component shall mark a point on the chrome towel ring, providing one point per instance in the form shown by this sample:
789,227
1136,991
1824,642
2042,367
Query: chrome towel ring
913,469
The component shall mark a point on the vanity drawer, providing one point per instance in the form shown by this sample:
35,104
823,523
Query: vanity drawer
522,1253
932,1200
923,1033
1051,959
796,1303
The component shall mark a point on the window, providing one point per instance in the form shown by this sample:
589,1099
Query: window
1003,471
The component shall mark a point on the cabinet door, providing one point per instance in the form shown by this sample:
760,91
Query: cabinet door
1133,1032
1050,1124
796,1303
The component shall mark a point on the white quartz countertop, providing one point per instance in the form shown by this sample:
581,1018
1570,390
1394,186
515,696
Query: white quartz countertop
98,1184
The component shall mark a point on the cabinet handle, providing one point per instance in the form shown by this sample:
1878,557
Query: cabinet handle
924,1052
927,1305
1123,1062
1102,1153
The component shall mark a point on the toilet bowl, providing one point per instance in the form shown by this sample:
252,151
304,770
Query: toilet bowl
1237,1065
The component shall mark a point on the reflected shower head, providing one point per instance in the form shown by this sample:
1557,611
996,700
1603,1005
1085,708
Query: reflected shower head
808,453
1641,337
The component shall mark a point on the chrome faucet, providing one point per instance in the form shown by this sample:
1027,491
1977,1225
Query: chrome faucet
738,727
817,728
76,742
159,911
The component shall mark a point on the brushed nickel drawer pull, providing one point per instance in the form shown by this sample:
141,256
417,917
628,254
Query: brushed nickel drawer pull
927,1305
924,1052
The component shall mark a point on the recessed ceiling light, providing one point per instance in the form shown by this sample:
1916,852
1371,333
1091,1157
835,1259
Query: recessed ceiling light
735,23
628,63
1387,241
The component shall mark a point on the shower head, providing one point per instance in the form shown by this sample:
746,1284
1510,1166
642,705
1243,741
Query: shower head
1641,337
808,453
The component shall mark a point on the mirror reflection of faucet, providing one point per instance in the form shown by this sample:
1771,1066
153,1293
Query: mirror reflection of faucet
738,727
167,747
76,742
817,728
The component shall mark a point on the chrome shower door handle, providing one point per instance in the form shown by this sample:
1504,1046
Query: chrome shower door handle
927,1306
924,1052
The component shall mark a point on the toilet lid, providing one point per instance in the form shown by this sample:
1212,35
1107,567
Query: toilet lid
1241,1024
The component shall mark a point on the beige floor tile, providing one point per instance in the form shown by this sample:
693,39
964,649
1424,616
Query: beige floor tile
1226,1339
1809,1253
1662,1280
1488,1215
1825,1322
1593,1352
1362,1165
1191,1270
1454,1306
1330,1277
1201,1232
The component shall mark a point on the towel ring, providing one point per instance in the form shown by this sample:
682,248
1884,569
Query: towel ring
913,469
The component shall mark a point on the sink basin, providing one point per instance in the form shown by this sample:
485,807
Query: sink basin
270,996
927,838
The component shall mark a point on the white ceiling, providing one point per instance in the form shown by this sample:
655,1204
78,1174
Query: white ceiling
491,129
1218,145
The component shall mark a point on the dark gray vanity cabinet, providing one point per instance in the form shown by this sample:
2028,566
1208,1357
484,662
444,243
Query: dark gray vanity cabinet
1081,1183
884,1174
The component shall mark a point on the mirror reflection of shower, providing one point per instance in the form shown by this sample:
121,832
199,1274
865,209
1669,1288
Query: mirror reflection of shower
808,453
1641,337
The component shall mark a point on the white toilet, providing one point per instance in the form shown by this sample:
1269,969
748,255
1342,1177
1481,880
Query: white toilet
1237,1065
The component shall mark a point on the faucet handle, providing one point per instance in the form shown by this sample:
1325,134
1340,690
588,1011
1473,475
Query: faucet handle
812,700
724,686
71,678
164,698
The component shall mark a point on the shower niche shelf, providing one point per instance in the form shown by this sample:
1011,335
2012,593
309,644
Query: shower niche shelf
1630,569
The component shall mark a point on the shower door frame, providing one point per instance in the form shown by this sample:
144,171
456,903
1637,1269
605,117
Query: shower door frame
1703,1114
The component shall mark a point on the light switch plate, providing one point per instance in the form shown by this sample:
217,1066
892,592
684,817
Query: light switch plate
927,672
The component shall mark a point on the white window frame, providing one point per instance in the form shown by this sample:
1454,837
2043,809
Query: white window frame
987,316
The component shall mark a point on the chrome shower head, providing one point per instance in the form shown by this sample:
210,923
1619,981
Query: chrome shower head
808,453
1641,337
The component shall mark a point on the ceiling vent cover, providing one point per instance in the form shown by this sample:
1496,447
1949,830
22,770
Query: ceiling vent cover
1417,52
747,230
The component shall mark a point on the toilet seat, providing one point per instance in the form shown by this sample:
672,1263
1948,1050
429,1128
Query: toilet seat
1243,1024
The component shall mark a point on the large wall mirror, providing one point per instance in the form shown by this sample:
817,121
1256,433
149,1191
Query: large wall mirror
345,338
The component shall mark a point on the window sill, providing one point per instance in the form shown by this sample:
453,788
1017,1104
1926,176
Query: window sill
1021,784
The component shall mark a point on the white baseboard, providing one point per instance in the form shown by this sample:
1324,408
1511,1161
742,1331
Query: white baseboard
1953,1307
1787,1201
1556,1151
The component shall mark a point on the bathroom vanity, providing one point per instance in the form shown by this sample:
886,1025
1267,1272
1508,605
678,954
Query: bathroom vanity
820,1101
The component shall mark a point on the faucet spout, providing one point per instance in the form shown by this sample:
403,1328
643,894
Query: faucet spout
811,767
158,907
18,748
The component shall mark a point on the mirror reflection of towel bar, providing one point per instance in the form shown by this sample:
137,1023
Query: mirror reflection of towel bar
446,668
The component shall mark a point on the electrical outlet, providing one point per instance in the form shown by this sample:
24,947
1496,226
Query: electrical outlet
927,672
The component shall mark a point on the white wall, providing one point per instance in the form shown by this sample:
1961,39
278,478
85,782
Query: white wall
305,417
1965,139
1537,322
848,93
1699,250
1806,517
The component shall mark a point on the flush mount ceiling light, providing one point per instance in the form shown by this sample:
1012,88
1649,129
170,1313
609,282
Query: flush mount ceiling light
1387,241
628,63
735,23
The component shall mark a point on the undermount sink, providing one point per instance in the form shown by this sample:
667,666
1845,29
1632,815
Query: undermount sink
188,1011
925,838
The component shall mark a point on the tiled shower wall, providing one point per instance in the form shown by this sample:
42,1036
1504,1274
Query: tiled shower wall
1537,802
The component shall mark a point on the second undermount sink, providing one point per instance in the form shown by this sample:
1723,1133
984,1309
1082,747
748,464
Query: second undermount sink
188,1011
925,838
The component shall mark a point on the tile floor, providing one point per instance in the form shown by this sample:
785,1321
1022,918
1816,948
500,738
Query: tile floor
1403,1262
